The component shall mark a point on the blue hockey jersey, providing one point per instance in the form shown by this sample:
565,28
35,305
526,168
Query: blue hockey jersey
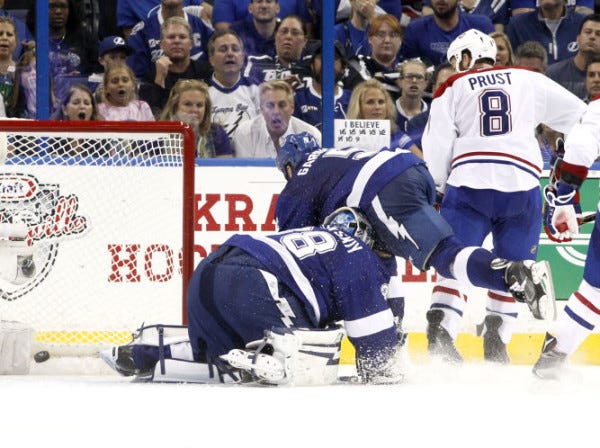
333,178
309,262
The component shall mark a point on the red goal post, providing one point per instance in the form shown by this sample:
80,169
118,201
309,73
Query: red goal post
109,210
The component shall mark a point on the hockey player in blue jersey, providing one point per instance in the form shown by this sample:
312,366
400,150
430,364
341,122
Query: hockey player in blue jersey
296,285
396,192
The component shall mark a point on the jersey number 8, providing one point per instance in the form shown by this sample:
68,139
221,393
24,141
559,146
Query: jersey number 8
495,118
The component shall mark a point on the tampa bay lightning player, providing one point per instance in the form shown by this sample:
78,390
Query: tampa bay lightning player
296,285
396,192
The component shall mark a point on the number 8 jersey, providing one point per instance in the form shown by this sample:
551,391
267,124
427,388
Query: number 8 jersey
480,132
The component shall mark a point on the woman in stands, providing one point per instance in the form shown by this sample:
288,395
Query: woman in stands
505,55
78,104
189,102
22,103
371,101
119,102
8,43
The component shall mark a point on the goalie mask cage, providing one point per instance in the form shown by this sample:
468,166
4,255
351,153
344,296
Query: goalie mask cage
109,211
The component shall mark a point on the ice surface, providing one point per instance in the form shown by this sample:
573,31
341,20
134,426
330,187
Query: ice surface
474,405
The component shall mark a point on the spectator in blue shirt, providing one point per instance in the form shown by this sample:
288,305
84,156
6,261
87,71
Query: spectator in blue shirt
497,10
226,12
145,37
570,73
130,12
580,6
352,33
428,37
308,99
552,24
258,29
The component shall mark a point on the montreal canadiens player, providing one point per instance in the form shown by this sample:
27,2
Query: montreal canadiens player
582,311
396,192
480,148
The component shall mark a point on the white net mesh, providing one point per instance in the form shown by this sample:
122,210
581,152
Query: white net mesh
104,215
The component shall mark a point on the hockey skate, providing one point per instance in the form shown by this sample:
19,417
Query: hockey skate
551,362
494,350
439,342
531,283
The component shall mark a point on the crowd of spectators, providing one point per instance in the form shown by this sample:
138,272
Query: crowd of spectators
246,73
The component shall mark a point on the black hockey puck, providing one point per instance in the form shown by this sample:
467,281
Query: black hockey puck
41,356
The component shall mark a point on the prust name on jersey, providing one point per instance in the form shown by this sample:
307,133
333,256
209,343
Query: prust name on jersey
489,79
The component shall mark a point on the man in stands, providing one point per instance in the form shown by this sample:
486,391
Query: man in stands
592,79
258,29
289,60
553,24
570,72
174,64
428,37
234,97
130,12
263,135
308,99
146,35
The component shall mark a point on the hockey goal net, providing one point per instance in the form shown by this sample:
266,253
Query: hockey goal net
108,207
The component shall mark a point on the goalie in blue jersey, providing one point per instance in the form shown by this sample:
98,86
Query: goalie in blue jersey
264,309
396,192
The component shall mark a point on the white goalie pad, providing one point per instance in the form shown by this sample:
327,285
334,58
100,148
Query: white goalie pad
161,335
16,339
299,357
181,371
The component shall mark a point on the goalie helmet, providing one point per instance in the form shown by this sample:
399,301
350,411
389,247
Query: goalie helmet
295,150
352,222
478,44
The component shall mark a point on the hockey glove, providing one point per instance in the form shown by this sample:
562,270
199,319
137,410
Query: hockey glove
560,212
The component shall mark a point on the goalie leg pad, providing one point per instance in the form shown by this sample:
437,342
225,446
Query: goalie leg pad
16,339
181,371
297,356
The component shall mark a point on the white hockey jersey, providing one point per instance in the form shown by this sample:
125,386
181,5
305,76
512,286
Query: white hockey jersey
232,106
480,132
582,146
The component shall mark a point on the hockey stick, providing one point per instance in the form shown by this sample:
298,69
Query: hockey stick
590,217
